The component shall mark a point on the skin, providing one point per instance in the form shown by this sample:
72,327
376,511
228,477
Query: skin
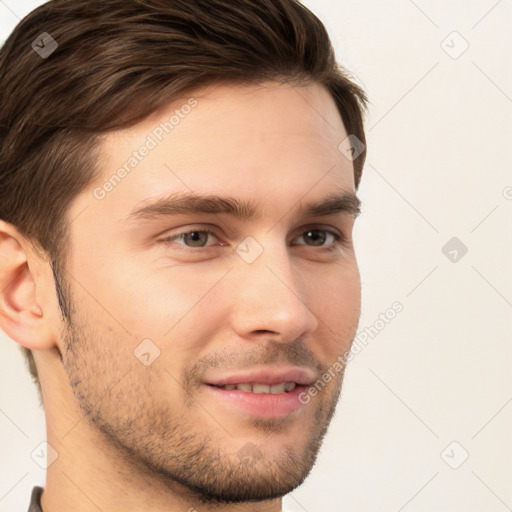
131,436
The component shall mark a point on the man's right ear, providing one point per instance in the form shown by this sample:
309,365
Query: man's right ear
28,313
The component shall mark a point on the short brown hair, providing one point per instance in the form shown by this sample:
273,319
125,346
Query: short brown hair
118,61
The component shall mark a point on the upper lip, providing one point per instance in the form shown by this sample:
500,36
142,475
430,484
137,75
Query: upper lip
268,375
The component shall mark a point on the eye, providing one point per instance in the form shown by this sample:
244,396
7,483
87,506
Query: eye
196,237
319,236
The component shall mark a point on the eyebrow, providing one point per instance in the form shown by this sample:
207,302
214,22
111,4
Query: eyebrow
189,203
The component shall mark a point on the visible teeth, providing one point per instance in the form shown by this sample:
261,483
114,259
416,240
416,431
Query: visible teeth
277,388
283,387
260,388
289,386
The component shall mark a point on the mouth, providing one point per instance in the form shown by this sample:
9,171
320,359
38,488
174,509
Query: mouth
264,393
259,388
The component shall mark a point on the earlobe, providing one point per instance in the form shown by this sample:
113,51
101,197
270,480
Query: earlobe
22,317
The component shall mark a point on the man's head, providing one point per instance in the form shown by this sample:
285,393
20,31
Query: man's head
154,119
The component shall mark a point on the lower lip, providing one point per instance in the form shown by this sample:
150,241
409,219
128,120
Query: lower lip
266,405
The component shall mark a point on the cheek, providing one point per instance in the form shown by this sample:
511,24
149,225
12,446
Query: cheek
175,306
98,354
148,301
337,287
336,300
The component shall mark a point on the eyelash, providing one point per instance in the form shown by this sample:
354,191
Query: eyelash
338,239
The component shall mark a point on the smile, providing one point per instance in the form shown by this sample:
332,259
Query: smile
283,387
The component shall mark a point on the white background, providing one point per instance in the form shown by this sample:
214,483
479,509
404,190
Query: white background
439,164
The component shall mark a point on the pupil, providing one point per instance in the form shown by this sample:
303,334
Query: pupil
315,234
195,236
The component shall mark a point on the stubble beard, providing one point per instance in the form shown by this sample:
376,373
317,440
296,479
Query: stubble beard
153,443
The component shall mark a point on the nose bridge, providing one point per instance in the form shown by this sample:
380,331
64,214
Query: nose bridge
269,295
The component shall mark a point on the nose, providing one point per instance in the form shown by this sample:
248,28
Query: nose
270,298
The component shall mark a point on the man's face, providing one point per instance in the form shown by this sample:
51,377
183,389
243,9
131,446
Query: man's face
267,302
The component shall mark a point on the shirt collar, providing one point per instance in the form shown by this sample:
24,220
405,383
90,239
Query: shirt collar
35,500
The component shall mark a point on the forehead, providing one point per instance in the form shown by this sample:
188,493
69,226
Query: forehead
258,142
248,114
